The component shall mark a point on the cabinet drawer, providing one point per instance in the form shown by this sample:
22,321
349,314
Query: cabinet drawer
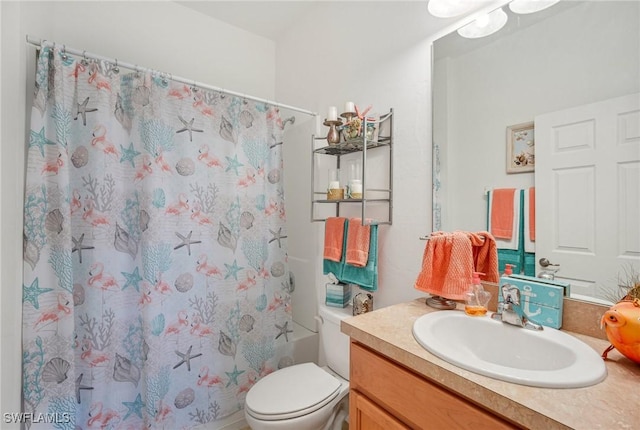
411,398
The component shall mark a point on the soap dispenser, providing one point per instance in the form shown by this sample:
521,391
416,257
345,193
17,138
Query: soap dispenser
508,270
476,299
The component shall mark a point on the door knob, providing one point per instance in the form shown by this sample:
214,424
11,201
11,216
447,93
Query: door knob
546,263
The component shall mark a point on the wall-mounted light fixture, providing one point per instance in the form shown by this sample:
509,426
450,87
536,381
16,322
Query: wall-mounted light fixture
450,8
484,25
530,6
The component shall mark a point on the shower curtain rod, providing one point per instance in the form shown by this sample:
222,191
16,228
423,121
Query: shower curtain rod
44,43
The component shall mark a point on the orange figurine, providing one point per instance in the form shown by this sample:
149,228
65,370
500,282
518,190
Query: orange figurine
622,322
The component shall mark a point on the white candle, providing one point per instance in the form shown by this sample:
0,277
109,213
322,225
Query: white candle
349,107
333,113
334,185
355,186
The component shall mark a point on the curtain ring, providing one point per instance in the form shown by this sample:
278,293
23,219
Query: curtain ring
116,69
64,52
194,87
84,61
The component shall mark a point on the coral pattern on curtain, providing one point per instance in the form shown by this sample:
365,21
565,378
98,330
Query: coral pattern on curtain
156,285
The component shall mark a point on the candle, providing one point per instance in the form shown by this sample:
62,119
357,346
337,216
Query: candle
355,186
333,113
334,185
349,107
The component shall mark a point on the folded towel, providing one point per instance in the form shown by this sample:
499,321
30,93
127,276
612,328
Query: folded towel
502,215
366,277
337,267
334,238
447,265
512,243
358,243
532,214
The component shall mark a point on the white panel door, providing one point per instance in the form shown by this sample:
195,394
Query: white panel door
588,193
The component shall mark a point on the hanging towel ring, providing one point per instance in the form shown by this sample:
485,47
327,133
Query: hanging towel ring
116,69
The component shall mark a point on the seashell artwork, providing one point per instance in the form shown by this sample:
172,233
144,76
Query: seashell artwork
285,361
246,220
246,118
80,157
125,243
78,294
125,371
274,176
55,370
141,95
226,238
30,253
54,220
184,398
186,167
277,269
246,323
226,345
144,220
226,130
184,282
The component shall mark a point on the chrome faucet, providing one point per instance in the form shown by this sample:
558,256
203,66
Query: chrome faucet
510,311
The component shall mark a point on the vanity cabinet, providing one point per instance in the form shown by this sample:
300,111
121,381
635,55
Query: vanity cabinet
386,395
379,139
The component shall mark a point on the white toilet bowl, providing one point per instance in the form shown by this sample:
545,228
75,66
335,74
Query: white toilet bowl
306,396
300,397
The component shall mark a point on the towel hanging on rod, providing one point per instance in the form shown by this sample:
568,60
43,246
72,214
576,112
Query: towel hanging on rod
39,44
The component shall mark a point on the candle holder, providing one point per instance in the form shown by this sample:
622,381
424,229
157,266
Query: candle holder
348,115
333,137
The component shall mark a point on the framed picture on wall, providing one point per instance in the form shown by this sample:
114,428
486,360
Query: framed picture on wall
520,148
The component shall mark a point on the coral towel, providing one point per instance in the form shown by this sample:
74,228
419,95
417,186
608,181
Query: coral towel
333,238
358,237
450,259
502,207
532,214
485,255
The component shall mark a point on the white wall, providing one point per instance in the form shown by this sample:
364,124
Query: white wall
160,35
351,52
585,54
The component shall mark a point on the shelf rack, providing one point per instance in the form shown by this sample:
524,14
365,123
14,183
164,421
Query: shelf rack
350,146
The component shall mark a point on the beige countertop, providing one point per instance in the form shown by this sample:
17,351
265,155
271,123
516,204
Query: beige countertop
611,404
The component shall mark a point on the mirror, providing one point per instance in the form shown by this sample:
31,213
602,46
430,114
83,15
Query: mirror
571,54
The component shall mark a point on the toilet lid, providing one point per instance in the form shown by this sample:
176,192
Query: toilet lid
291,392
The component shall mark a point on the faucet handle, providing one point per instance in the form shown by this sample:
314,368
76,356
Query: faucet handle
511,294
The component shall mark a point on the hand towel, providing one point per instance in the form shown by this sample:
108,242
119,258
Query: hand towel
337,267
513,243
366,277
485,256
333,238
447,265
502,213
530,232
532,214
358,243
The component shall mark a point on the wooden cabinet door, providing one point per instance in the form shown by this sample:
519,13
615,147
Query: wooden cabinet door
366,415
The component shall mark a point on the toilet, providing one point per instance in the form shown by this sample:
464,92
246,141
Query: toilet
306,396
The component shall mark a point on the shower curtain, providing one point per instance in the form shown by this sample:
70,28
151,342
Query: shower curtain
156,286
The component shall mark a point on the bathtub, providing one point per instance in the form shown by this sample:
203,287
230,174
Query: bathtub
305,349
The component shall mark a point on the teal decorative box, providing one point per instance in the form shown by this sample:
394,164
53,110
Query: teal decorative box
541,300
338,295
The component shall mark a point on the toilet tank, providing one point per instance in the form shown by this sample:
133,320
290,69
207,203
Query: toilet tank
334,342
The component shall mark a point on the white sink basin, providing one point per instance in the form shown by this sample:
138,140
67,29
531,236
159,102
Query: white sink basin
549,358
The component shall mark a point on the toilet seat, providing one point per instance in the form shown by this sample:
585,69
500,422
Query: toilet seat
291,392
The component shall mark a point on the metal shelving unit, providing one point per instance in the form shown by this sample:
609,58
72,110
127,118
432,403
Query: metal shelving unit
350,146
